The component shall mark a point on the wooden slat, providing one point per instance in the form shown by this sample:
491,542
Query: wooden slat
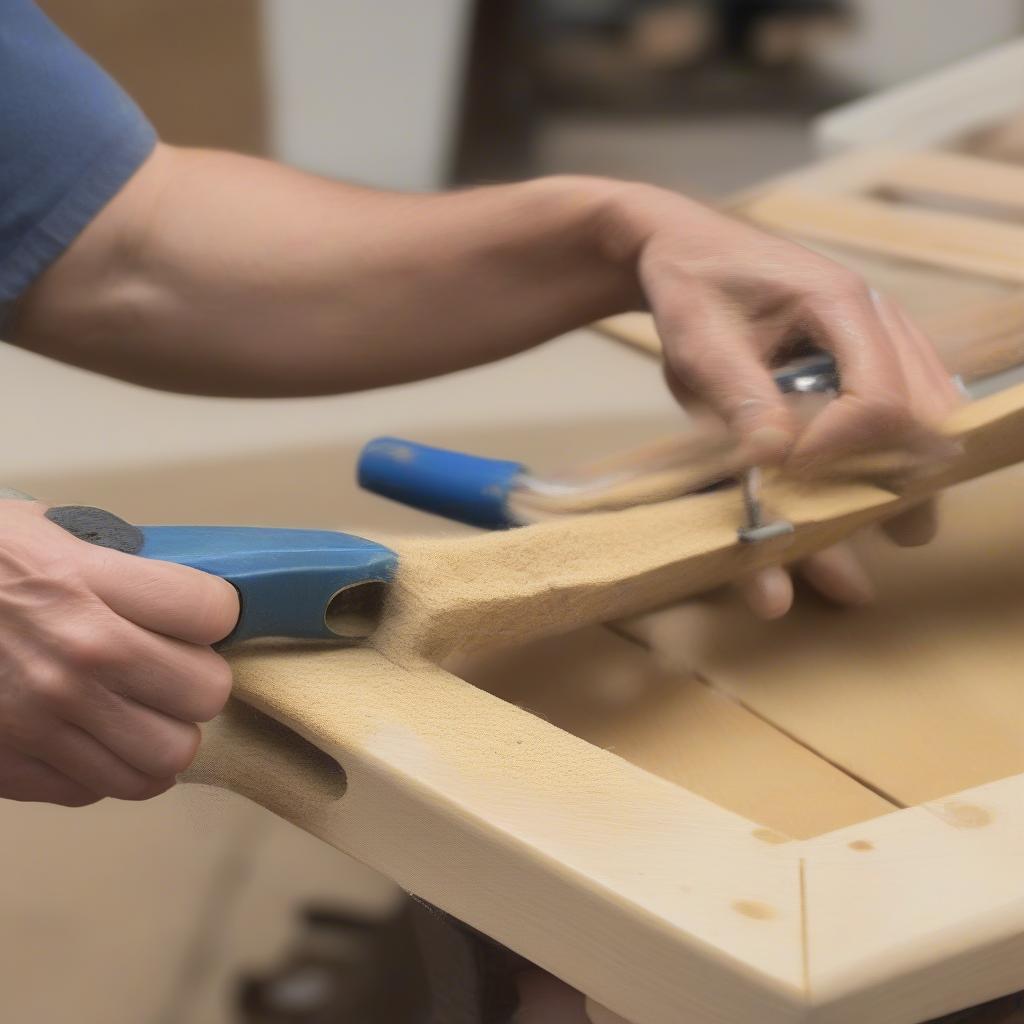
982,339
955,176
636,329
1003,140
591,867
968,244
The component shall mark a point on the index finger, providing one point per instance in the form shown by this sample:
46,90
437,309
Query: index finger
712,353
874,407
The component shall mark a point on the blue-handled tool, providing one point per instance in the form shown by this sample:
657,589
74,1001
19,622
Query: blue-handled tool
467,488
307,584
498,493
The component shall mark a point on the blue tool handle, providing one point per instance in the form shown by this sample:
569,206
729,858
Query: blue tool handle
467,488
305,584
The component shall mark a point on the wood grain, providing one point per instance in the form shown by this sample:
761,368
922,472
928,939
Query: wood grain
611,693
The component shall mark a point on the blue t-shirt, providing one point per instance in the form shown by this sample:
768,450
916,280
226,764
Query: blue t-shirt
69,139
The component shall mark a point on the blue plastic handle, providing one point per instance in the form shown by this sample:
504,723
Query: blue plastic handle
287,580
467,488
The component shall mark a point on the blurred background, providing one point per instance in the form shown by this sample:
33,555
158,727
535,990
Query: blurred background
707,95
196,908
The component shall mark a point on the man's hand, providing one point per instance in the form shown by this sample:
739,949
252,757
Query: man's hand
729,302
104,664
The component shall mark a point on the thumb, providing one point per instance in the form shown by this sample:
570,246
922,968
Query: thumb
164,597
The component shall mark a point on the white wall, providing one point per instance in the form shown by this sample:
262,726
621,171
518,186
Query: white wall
899,39
365,90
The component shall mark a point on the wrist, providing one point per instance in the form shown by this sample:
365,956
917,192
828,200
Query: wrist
604,222
620,219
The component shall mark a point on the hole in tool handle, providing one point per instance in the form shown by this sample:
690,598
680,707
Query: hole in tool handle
354,612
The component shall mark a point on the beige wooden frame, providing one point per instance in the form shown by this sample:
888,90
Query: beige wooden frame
590,866
600,872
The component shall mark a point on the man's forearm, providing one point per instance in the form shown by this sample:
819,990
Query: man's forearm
216,273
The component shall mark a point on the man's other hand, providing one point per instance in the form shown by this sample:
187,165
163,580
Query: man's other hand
105,664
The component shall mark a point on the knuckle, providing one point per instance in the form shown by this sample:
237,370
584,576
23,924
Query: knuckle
213,689
684,360
148,788
888,413
49,689
87,649
175,754
137,787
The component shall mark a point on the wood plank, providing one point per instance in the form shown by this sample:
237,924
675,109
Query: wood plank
971,245
984,338
918,914
610,692
999,140
568,854
636,329
502,588
956,176
918,695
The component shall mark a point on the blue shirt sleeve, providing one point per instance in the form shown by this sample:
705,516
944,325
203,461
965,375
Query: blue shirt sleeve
69,140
